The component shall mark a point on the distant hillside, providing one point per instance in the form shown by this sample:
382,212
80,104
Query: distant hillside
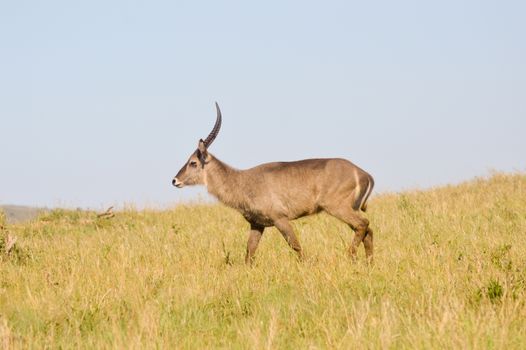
17,213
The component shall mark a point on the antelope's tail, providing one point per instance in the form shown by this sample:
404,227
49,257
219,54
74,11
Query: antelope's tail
363,195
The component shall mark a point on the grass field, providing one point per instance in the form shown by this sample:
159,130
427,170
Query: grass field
449,272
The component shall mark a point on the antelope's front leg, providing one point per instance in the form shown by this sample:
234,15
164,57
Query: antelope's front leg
254,237
287,232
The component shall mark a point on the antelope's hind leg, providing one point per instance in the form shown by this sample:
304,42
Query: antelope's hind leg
360,226
254,237
287,231
368,244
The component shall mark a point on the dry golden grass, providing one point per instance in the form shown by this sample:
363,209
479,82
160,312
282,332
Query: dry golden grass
450,272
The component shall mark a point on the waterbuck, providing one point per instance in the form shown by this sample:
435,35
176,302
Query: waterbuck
272,194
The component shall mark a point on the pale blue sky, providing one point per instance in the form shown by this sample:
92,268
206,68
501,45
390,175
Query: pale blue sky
101,102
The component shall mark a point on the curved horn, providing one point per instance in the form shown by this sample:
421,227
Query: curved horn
211,137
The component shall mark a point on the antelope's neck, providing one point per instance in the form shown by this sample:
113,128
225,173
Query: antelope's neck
225,183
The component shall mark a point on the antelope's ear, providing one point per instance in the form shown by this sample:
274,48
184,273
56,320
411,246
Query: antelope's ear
202,153
201,146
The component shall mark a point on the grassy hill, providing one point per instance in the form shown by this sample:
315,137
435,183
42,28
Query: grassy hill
449,272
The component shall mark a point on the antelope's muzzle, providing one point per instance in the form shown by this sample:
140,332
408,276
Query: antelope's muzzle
177,183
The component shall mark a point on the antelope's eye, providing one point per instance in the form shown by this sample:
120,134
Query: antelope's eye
193,163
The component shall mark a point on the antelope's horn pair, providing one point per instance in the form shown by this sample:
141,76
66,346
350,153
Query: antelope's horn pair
215,130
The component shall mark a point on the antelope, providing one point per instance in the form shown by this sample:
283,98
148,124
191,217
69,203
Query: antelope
273,194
